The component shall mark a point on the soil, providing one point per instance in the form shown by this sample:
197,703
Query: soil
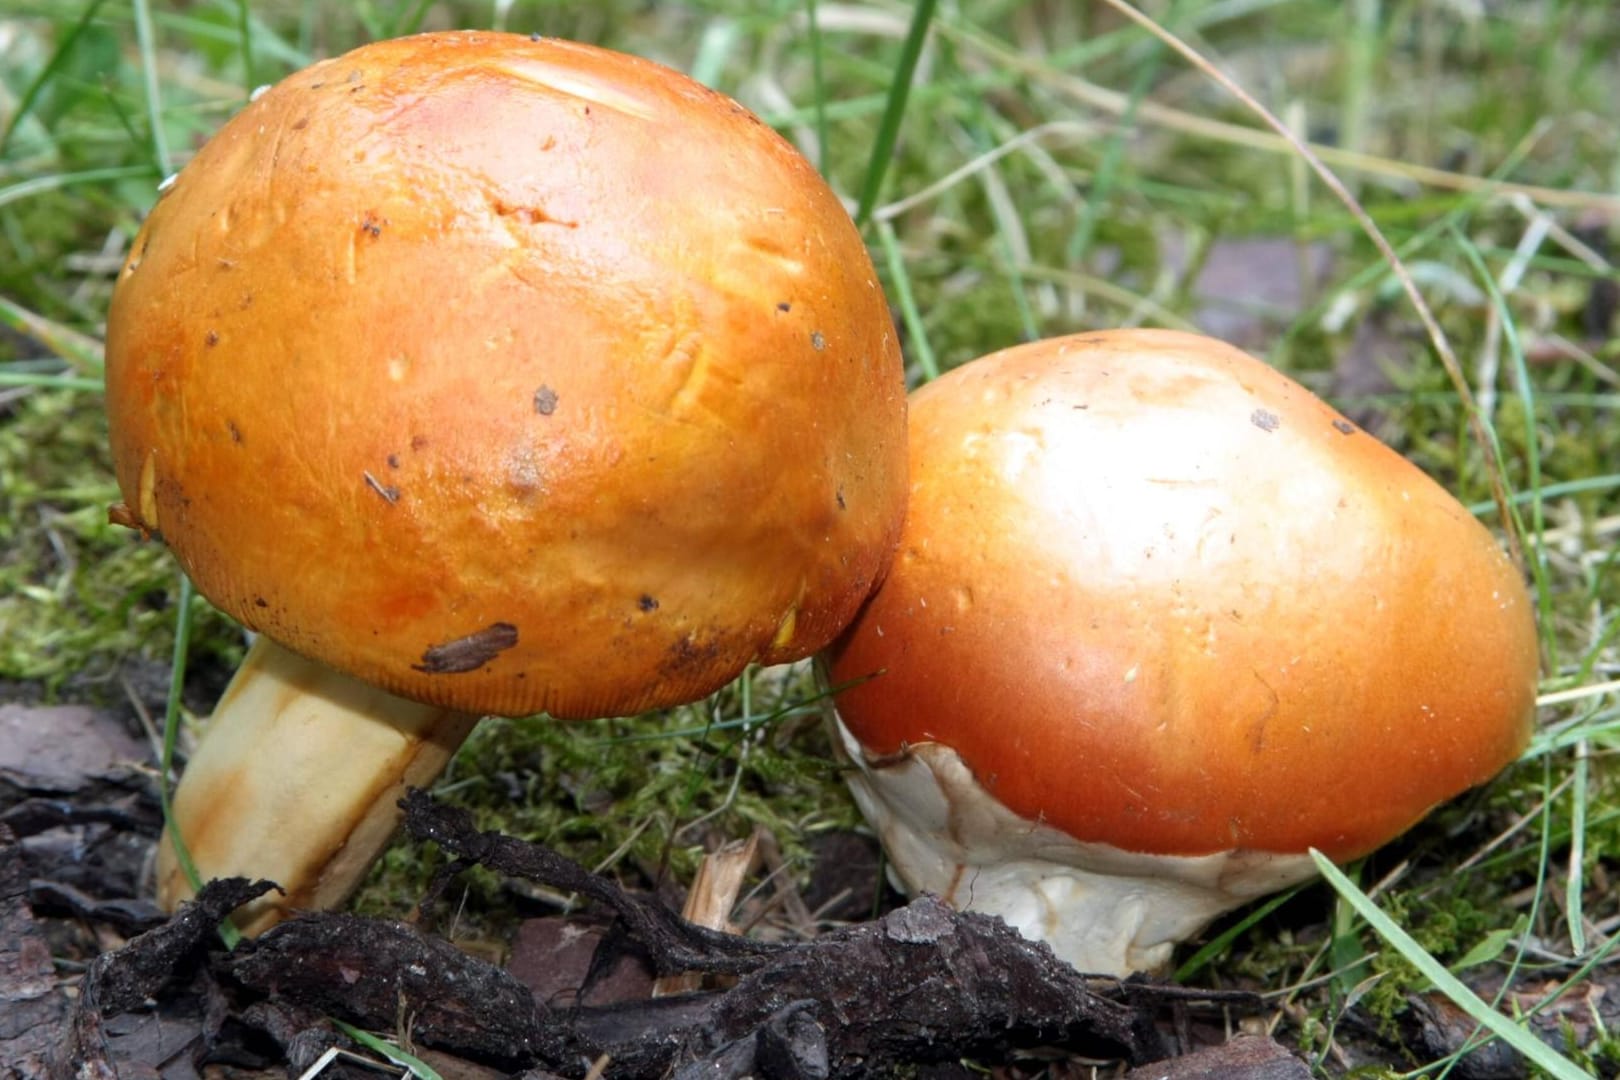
96,982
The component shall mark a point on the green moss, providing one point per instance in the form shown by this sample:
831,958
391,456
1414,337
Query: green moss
645,796
77,594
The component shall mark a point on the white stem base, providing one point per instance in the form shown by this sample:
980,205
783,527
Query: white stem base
296,779
1101,909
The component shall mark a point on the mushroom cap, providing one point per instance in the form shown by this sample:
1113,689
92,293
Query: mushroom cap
1160,597
511,375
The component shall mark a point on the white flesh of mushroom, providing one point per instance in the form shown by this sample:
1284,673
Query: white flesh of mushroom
1104,910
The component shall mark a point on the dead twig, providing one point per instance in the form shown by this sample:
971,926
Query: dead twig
673,944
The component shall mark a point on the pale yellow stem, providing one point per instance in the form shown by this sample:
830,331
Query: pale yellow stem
296,779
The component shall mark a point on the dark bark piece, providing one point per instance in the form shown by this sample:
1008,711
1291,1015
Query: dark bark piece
1566,1015
1583,1013
384,974
927,983
847,878
71,787
450,1067
97,858
301,1034
1435,1028
82,1054
35,814
283,1022
119,981
641,1037
67,750
32,1008
674,944
127,914
1243,1057
792,1045
151,1044
924,983
733,1061
558,960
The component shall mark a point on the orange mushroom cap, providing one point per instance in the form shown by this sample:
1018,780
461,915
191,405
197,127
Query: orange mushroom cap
511,375
1159,597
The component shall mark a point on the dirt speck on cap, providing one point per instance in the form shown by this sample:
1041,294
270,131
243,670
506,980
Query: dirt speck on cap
468,653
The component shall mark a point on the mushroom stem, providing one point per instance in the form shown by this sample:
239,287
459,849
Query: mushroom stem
296,779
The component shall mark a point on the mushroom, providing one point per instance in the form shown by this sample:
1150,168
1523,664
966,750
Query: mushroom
1161,623
482,373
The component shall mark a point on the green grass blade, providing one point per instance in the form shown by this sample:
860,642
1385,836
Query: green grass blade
894,112
267,44
394,21
49,382
64,48
171,728
1585,485
81,351
1347,956
244,30
1107,174
714,49
1011,236
38,185
171,734
1217,945
1536,555
818,81
154,94
1362,50
418,1067
1377,270
910,314
413,22
1575,885
1525,1042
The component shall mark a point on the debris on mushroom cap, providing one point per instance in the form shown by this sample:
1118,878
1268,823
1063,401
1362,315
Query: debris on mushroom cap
1158,598
511,375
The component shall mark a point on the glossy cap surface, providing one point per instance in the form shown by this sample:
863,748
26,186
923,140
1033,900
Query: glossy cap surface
1157,595
511,375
